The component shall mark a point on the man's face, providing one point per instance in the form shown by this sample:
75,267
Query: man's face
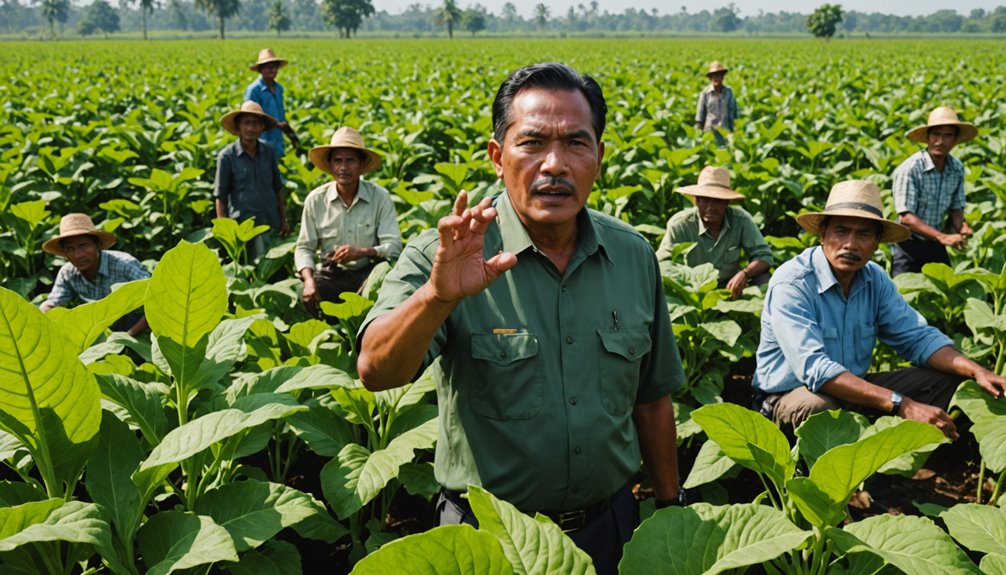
250,127
716,78
549,157
849,243
345,166
941,139
711,210
82,251
269,71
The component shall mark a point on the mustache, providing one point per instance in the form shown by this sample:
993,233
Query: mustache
850,256
552,182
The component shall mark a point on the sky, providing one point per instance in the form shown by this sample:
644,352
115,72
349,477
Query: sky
747,7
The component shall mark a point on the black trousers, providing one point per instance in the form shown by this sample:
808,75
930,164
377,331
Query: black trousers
602,538
913,253
331,281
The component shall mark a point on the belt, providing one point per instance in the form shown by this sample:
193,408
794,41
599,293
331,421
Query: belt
566,520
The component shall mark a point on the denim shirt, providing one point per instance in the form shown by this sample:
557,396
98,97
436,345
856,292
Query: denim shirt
272,104
811,333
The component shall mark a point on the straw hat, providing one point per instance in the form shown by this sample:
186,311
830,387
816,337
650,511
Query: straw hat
72,225
345,137
265,56
943,116
230,119
713,183
858,199
717,66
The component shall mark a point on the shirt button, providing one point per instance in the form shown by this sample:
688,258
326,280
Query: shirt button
569,339
563,287
575,490
632,351
502,354
572,401
578,451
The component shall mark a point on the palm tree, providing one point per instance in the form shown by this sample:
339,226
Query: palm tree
55,11
279,20
145,7
222,9
449,15
541,15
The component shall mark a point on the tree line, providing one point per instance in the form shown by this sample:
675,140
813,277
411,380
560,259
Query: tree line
53,18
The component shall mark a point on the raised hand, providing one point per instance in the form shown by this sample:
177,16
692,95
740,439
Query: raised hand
459,268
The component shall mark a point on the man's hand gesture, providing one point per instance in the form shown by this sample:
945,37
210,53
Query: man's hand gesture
459,268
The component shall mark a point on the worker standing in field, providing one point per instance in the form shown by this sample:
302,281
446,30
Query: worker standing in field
717,107
351,222
248,183
720,231
268,93
929,194
556,352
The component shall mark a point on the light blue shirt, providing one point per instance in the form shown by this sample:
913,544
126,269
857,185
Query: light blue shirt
810,332
272,104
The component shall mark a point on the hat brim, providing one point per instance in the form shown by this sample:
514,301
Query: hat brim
53,246
254,67
893,231
319,157
229,121
707,191
721,70
921,133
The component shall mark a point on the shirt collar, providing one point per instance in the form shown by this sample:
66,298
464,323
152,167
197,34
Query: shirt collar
723,227
363,192
102,265
951,165
826,277
514,237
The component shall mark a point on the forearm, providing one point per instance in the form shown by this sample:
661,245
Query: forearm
755,268
856,390
918,226
947,359
394,345
138,327
957,221
221,207
658,442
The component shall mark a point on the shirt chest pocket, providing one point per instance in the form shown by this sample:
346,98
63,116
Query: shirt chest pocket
509,385
621,352
242,173
866,339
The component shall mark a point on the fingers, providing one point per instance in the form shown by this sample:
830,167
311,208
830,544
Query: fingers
499,263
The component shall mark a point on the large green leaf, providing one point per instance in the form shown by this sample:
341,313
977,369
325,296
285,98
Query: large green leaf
915,545
15,493
991,436
356,475
736,429
316,377
321,428
51,520
83,324
978,527
827,429
171,541
710,464
253,512
50,401
993,564
140,401
108,475
223,348
272,558
187,294
532,546
446,550
705,539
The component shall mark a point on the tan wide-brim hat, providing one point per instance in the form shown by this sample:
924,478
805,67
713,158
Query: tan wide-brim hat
265,56
717,66
943,116
857,199
72,225
713,183
345,137
230,119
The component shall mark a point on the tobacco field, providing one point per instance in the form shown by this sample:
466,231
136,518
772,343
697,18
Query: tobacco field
234,437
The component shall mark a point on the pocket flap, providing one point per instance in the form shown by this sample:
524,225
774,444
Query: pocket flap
504,349
631,344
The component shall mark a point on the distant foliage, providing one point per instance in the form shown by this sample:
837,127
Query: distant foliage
279,20
824,20
346,15
99,17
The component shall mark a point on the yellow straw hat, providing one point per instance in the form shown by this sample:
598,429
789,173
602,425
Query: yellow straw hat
72,225
265,56
230,119
717,66
345,137
943,116
713,183
857,199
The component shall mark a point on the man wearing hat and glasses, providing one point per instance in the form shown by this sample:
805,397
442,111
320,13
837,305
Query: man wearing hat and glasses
268,93
93,269
929,194
350,221
825,310
719,232
248,183
717,107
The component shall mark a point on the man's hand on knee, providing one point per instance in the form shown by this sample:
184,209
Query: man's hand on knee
918,411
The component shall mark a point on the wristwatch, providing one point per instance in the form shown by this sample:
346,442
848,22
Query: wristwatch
680,501
896,400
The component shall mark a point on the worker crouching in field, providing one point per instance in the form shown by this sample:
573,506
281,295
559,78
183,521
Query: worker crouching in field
717,107
557,357
824,312
351,222
720,231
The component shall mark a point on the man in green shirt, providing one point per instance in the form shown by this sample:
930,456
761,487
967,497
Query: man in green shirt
719,232
557,354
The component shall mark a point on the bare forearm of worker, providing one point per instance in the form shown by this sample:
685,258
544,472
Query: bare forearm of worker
957,222
46,306
659,445
852,389
310,292
915,223
349,253
737,283
139,327
221,208
948,359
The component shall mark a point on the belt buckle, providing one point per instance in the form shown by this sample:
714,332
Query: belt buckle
570,520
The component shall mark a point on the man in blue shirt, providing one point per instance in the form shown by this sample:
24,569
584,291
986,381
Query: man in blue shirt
268,93
825,310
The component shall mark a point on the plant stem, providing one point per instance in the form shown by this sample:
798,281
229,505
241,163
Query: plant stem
998,487
981,482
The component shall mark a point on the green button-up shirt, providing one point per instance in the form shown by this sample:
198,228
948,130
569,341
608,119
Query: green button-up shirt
539,373
739,231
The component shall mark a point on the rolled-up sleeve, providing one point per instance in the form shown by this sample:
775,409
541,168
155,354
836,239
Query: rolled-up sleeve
62,293
904,329
755,246
307,239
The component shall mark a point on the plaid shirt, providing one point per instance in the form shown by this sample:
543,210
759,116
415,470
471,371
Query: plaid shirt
927,193
115,268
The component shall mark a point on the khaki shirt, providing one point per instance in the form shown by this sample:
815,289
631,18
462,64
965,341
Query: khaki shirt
539,373
738,232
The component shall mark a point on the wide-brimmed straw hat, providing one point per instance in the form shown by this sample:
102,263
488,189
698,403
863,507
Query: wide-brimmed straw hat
265,56
857,199
713,183
72,225
345,137
230,119
943,116
716,66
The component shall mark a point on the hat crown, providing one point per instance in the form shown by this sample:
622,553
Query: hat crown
852,193
347,137
714,176
266,54
252,106
716,66
71,223
943,115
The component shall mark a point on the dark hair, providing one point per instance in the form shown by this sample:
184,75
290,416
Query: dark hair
237,119
94,238
878,225
551,76
957,129
359,153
